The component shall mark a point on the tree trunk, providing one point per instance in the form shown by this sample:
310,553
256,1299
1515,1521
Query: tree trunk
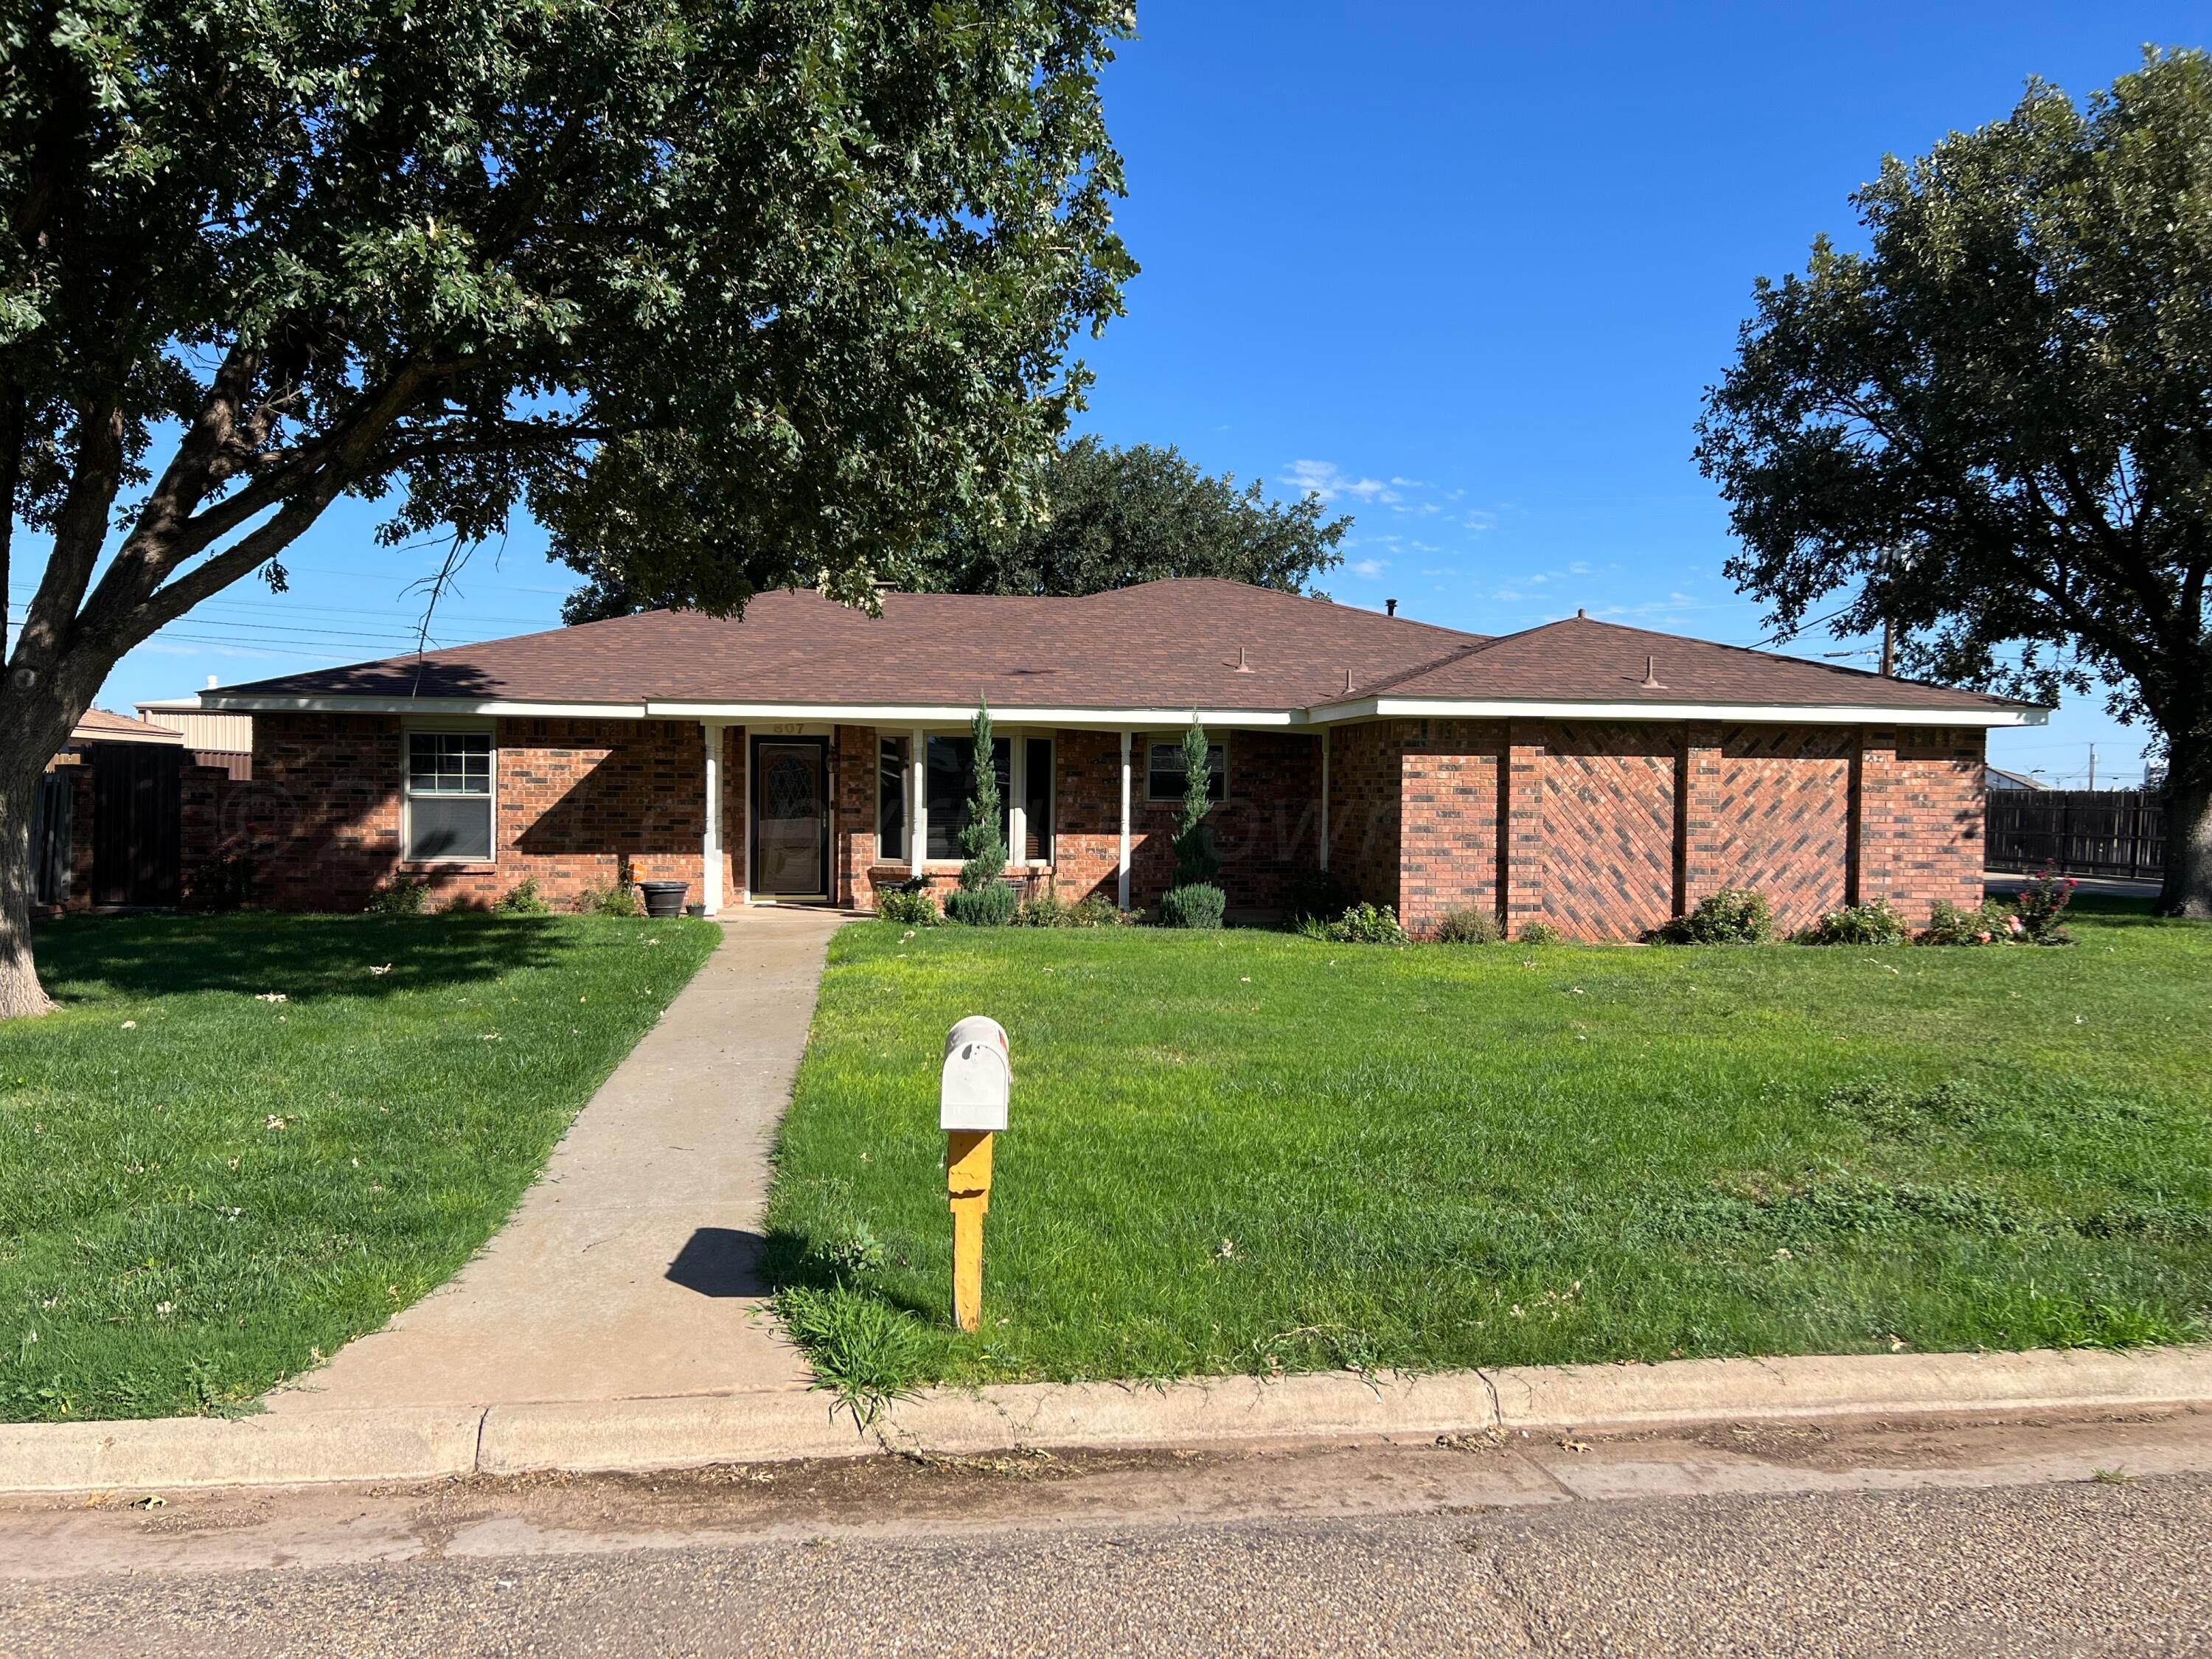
34,723
2188,890
21,993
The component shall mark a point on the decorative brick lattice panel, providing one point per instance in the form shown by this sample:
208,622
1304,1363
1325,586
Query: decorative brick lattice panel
1609,828
1770,809
1921,801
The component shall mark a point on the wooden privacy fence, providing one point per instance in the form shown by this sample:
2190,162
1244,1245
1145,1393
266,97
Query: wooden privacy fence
2084,832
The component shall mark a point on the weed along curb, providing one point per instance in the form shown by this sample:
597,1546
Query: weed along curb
427,1443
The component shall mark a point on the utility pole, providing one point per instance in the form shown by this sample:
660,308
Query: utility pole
1888,649
2092,766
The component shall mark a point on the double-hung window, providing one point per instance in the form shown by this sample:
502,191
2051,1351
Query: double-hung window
1165,775
449,799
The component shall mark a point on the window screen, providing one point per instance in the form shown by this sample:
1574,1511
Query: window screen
449,796
1165,776
950,761
890,798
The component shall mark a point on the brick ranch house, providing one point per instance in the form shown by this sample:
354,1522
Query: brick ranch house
1598,778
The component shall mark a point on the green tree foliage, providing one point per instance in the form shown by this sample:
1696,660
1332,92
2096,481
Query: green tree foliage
1990,428
1113,517
727,295
1100,518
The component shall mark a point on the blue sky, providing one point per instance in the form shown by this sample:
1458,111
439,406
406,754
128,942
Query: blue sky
1466,270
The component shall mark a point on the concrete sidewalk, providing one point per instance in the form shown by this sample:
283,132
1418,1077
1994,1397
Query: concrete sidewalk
629,1270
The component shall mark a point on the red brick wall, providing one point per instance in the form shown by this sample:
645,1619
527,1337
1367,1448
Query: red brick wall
1920,802
1606,831
1453,785
853,767
574,796
1087,801
1366,807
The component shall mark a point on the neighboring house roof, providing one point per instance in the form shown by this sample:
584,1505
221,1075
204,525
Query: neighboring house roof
1996,777
1192,644
98,726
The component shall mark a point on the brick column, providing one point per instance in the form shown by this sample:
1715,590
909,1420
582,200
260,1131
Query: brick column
1874,787
1521,826
1698,851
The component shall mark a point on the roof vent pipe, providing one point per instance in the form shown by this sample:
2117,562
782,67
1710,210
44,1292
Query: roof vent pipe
1347,682
1651,675
1389,607
1242,667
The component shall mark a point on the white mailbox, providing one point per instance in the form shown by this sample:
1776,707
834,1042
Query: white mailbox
977,1076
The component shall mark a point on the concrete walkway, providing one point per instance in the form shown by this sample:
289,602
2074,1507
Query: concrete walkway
629,1270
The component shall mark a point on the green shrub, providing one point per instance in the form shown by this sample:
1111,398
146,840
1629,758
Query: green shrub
1987,923
1095,910
909,907
984,907
1538,932
224,882
1468,926
2042,901
1734,915
618,900
1363,924
1195,904
401,896
522,900
1196,862
1321,895
1873,923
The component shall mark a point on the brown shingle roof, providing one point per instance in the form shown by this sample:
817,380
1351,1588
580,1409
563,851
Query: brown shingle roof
1583,660
1163,645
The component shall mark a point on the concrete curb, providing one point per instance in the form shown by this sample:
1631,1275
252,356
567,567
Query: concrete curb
415,1444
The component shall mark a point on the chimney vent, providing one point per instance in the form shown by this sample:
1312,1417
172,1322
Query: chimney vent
1347,682
1651,675
1242,667
1581,615
1389,607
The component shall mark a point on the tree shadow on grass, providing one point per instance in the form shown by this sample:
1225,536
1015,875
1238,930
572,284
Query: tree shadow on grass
82,958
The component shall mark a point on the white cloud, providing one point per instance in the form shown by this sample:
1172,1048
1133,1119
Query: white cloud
1406,484
1479,521
1579,568
1441,570
1367,570
1328,481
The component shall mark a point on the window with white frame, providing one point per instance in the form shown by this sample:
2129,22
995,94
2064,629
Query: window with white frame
447,802
1165,775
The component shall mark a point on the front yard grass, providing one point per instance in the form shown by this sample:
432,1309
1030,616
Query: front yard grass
203,1192
1250,1151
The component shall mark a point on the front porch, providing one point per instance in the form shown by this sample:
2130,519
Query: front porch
835,814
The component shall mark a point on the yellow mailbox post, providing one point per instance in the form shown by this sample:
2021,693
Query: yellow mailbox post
971,1109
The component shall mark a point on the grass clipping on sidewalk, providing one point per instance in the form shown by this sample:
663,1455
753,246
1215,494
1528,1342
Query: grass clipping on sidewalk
1254,1152
247,1139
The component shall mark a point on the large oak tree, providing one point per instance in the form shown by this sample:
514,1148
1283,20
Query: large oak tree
728,292
1994,427
1102,517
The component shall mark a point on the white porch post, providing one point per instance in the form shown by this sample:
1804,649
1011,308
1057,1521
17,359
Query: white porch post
917,835
1124,899
1325,731
711,843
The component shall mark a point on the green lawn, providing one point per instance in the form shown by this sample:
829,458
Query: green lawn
201,1192
1249,1150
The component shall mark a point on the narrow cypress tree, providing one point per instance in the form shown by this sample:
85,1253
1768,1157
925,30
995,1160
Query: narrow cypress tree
1194,901
984,899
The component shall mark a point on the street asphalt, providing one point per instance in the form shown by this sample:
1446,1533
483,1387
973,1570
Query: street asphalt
2096,1566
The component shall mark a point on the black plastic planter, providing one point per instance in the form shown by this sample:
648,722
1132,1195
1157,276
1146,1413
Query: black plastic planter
664,898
